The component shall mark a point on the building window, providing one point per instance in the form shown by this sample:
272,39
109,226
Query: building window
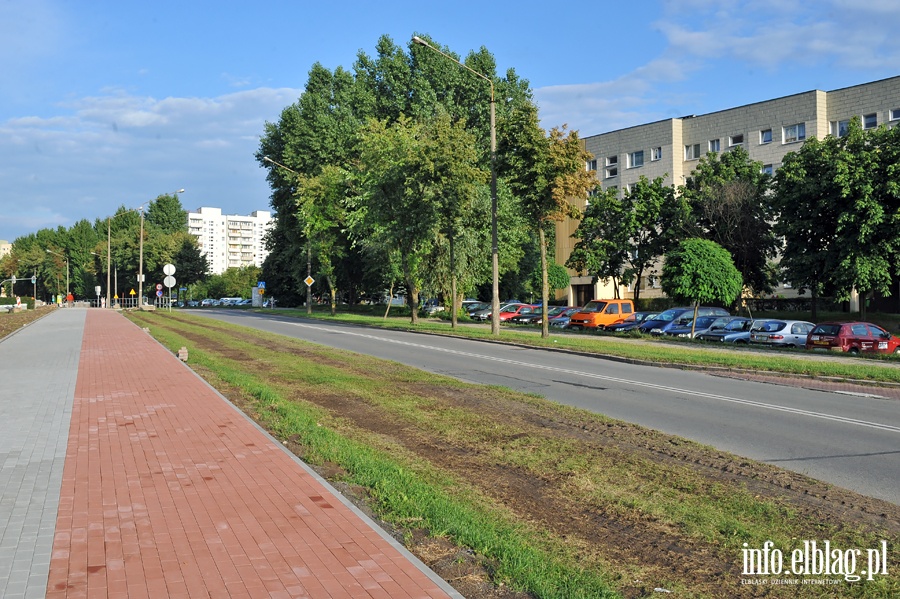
714,145
870,121
612,172
794,133
692,152
765,136
636,159
895,114
612,160
591,165
656,154
840,128
768,170
736,140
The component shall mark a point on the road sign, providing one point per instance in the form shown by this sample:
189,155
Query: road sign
261,285
169,281
169,269
132,292
309,281
33,280
12,279
261,290
159,293
159,286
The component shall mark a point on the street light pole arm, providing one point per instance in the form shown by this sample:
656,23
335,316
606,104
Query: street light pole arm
422,42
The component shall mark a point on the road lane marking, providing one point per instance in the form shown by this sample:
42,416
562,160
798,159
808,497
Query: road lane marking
603,377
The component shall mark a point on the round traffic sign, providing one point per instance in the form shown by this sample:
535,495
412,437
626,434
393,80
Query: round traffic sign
169,281
158,286
169,269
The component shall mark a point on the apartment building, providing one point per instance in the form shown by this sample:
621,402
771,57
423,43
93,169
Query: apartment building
228,240
672,149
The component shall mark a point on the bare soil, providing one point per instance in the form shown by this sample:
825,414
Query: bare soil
640,549
13,321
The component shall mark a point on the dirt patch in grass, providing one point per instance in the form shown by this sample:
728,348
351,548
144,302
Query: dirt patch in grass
642,551
10,322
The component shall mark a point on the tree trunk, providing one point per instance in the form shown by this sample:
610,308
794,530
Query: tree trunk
545,285
694,321
334,291
413,299
390,299
814,292
453,298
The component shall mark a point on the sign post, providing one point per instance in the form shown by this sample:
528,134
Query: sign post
169,281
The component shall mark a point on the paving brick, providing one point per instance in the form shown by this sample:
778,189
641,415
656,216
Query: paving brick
168,490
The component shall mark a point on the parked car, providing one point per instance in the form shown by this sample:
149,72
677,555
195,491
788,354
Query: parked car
784,333
630,323
598,313
537,316
485,314
512,310
561,321
209,302
852,337
665,319
684,327
737,330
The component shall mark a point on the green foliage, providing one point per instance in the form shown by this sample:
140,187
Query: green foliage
839,212
166,214
729,199
327,126
700,271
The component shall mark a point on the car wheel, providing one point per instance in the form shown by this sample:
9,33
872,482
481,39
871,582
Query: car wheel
853,350
897,351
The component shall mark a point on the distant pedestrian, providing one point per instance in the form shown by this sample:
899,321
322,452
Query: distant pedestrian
69,299
18,302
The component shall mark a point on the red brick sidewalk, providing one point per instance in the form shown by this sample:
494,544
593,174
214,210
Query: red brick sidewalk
168,491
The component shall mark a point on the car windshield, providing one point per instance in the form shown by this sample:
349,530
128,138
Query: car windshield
704,322
721,322
772,325
736,325
668,315
555,310
827,329
594,306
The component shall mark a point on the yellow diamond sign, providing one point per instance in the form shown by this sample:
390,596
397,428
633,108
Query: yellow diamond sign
309,281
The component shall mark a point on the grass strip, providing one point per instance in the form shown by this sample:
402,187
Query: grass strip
403,497
874,368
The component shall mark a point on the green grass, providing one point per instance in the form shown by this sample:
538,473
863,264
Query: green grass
412,493
404,496
867,368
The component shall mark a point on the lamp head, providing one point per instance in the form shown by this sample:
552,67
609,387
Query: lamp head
416,39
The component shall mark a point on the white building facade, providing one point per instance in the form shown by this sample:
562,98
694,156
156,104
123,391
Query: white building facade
672,149
228,240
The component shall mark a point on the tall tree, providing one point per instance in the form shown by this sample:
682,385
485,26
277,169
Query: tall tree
867,236
545,171
728,195
808,202
700,271
167,214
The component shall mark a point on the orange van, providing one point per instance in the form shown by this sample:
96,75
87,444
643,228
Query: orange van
601,312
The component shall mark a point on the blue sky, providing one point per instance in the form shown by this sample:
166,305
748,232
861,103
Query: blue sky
104,104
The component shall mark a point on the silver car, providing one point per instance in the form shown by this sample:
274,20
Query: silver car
785,333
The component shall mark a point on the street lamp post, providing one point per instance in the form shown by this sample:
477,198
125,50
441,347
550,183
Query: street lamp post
495,256
308,245
66,258
141,251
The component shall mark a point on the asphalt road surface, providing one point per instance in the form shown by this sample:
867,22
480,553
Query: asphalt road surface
849,441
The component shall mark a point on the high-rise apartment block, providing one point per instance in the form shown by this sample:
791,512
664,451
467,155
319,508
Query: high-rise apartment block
672,149
228,240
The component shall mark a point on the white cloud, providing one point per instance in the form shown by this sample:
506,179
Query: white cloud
117,149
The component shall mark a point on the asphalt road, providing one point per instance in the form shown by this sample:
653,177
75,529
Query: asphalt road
852,442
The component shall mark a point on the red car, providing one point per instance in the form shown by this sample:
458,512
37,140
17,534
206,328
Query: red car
507,312
852,337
